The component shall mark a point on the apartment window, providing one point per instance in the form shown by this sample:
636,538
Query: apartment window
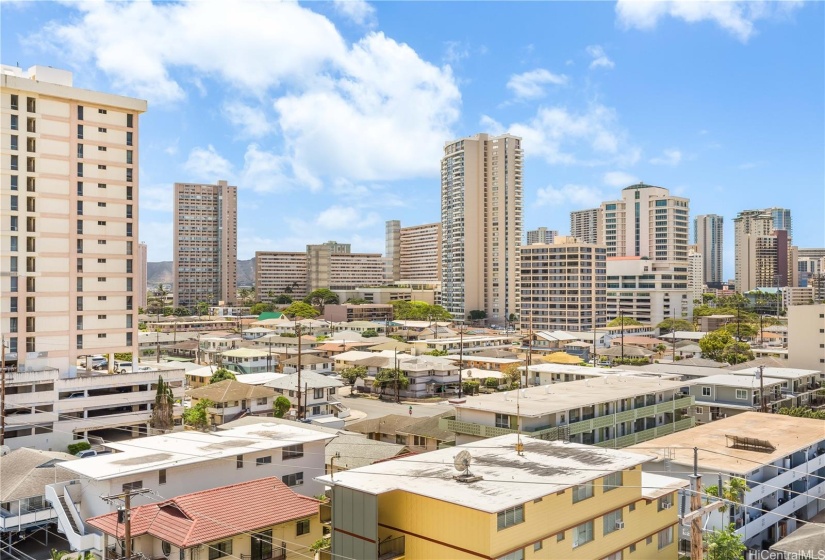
614,556
583,534
14,163
80,226
129,156
419,441
128,303
31,105
633,548
515,555
101,242
13,223
665,502
303,527
128,230
30,165
128,193
101,129
13,324
705,391
13,243
102,205
582,492
129,285
30,204
129,120
129,338
30,344
612,481
128,138
80,150
13,144
101,335
101,222
101,317
100,166
221,549
509,517
613,521
101,278
502,421
665,537
79,188
31,144
31,224
13,202
101,148
79,245
293,451
742,394
101,185
102,111
80,265
31,264
80,112
318,393
263,460
79,284
31,125
12,264
296,479
13,122
13,304
128,210
13,101
161,475
699,410
101,298
13,284
13,182
538,546
13,344
239,462
129,174
80,303
30,284
560,536
80,169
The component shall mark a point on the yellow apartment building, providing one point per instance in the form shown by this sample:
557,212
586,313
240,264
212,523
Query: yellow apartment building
552,500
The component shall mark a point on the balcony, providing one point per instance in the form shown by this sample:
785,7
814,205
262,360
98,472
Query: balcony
391,548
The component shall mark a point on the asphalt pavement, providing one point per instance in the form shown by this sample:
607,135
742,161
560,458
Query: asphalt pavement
374,408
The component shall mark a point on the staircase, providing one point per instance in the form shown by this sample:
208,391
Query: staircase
65,507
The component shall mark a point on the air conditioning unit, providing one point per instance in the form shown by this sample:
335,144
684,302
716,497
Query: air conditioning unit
619,524
667,505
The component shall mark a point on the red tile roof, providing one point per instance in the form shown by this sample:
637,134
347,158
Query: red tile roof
215,514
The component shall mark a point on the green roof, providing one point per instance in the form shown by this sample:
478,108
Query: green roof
270,315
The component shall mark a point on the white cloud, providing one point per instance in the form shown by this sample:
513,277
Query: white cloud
455,52
670,156
600,59
204,36
490,125
570,195
157,198
619,179
556,135
358,11
530,85
748,165
345,218
736,17
251,121
207,164
158,238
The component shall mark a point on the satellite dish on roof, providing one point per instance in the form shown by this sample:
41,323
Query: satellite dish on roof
462,461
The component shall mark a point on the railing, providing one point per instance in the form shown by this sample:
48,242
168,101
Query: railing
276,554
391,548
325,513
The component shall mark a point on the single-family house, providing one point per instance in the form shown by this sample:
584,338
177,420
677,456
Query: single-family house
232,399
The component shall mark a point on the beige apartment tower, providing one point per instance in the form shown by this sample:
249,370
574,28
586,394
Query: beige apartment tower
764,256
646,222
332,265
541,235
280,273
206,244
708,235
68,219
585,225
143,275
481,226
413,253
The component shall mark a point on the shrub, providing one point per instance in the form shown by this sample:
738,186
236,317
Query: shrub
75,448
470,387
491,383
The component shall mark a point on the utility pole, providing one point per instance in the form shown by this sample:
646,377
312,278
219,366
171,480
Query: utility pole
269,356
298,334
696,550
460,357
762,405
529,351
127,515
621,318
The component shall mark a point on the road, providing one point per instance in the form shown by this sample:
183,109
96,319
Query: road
375,408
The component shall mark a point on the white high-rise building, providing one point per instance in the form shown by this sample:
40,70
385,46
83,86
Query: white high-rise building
708,235
481,226
142,276
413,253
646,222
586,225
647,290
696,264
68,220
541,235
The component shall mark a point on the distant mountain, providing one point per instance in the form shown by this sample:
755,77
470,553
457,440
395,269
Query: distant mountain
161,273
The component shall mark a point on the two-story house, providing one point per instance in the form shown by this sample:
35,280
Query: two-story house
507,499
319,393
608,412
183,462
248,360
799,386
723,395
427,375
232,399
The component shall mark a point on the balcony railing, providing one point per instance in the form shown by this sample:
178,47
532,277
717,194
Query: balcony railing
277,554
391,548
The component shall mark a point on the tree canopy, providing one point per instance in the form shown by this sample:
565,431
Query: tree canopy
627,321
736,353
281,406
419,311
282,299
354,373
725,544
198,414
477,315
802,412
301,310
321,297
221,374
258,308
713,344
164,405
673,325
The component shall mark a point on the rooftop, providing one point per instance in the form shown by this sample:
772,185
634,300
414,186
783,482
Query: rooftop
778,372
354,451
26,472
184,448
230,390
560,397
786,433
306,360
309,380
201,517
244,353
508,479
739,381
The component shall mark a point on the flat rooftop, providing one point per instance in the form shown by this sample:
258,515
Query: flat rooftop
777,372
560,397
738,381
508,479
184,448
786,433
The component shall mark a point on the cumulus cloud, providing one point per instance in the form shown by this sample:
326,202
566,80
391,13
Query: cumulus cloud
619,179
735,17
157,198
207,164
250,121
530,85
357,11
670,156
559,135
570,195
600,59
345,218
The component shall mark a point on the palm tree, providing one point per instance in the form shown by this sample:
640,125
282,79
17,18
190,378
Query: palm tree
733,491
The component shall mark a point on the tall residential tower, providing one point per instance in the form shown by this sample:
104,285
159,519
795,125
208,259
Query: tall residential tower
541,235
708,236
764,254
206,243
481,225
586,225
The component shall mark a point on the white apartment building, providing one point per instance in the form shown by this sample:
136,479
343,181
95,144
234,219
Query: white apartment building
646,222
481,225
586,225
413,253
811,270
806,336
181,463
280,273
696,273
332,265
541,235
142,275
68,219
709,236
206,244
563,286
614,411
49,409
647,290
764,253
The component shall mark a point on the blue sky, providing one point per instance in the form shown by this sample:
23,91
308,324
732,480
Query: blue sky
331,116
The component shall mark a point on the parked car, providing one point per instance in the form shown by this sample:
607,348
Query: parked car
75,396
101,365
86,453
123,367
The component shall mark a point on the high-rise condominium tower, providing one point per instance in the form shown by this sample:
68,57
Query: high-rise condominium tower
586,225
781,219
708,236
481,226
541,235
646,222
764,255
142,275
413,253
68,239
333,265
206,243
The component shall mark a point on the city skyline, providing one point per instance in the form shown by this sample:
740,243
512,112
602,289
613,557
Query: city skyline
588,87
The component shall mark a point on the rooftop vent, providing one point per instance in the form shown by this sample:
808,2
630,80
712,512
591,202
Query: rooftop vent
749,444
